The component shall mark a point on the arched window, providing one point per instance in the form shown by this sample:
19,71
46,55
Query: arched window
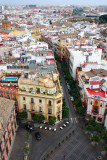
50,103
32,100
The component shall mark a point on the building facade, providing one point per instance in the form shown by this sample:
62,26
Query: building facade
95,99
7,127
40,94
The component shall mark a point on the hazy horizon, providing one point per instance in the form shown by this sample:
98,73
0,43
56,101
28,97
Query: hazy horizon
53,2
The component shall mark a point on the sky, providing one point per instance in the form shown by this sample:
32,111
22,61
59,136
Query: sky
53,2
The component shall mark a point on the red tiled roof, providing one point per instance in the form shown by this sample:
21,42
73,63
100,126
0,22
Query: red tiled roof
94,93
13,74
95,82
8,87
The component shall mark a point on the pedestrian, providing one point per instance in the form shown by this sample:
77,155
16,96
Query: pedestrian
64,157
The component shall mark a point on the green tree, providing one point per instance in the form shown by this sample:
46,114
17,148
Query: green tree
27,135
23,115
96,138
81,110
65,111
38,118
104,135
105,148
50,22
38,90
98,128
92,121
52,120
89,127
103,18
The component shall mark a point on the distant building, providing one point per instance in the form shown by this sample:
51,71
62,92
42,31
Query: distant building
6,23
7,127
95,99
78,56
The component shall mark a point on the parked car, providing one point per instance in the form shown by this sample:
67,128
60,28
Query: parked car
29,127
72,98
38,136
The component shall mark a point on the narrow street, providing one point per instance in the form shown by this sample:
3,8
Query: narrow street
66,95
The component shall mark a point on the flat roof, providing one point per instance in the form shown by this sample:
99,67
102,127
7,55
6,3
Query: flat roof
47,68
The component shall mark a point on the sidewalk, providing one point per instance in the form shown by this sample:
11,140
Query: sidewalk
17,152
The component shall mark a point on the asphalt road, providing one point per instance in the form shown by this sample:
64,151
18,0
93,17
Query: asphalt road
78,147
66,94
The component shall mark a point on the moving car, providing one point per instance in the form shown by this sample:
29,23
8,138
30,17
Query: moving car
38,136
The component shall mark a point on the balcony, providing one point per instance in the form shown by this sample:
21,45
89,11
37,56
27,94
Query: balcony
35,111
49,112
49,105
32,102
94,113
59,112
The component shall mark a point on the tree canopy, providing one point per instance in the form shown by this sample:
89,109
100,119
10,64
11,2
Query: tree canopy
52,120
103,18
23,115
38,118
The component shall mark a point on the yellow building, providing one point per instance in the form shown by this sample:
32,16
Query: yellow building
36,34
16,32
61,49
40,94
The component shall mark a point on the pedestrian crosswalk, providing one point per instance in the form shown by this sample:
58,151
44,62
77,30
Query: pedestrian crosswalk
74,120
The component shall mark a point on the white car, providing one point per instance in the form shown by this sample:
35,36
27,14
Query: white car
72,98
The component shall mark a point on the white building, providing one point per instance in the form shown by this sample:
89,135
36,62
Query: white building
78,57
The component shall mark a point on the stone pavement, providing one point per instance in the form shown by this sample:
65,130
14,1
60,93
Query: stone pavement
18,145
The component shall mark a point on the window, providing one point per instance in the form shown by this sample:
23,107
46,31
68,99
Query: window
10,141
59,101
58,109
49,111
91,87
96,102
40,101
14,97
24,106
32,100
27,88
32,108
7,150
34,89
91,102
50,103
54,91
42,90
50,92
95,109
4,135
99,119
12,131
1,95
40,109
0,145
8,96
24,98
101,104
